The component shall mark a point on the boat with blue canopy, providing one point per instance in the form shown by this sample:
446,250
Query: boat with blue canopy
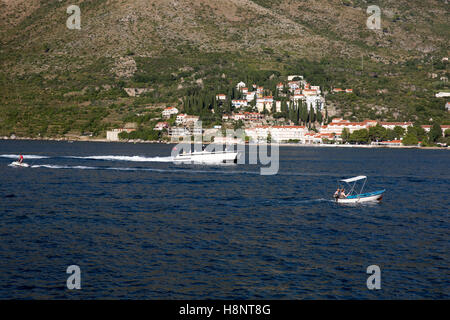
353,196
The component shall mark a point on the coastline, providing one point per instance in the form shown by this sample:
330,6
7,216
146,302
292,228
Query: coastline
369,146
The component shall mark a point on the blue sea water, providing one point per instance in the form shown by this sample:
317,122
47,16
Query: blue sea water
142,227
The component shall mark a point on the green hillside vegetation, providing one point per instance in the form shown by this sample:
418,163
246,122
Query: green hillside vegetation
56,82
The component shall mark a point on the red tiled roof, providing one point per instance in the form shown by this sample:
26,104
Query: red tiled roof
392,141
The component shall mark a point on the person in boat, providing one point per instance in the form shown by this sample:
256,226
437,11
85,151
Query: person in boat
20,159
342,195
336,194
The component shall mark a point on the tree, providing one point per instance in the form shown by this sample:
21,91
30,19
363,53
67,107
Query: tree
311,117
410,139
418,131
304,113
435,132
253,104
399,132
319,117
217,112
345,135
274,106
360,136
377,133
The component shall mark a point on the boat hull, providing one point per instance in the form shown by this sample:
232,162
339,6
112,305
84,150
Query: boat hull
367,197
208,157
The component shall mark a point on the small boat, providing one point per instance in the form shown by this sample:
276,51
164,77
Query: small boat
208,157
354,197
19,164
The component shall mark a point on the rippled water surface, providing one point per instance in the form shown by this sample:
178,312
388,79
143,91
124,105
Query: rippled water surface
141,227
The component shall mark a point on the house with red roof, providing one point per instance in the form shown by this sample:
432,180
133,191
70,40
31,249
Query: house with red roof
167,112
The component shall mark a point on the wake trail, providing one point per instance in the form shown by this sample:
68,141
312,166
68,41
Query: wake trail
52,166
29,156
315,200
101,157
124,158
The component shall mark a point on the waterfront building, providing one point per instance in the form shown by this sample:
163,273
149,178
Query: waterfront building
277,133
444,127
392,125
113,135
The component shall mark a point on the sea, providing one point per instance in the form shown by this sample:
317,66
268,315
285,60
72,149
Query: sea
138,226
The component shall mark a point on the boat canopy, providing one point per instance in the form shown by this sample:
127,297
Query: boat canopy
354,179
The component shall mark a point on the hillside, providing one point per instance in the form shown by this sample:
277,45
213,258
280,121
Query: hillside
57,81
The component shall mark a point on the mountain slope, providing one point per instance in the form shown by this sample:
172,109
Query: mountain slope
174,47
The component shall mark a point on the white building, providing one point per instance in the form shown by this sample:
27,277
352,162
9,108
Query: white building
310,92
161,125
442,94
167,112
297,97
392,125
253,116
227,140
180,118
316,102
240,85
277,106
259,133
312,138
293,85
286,133
238,103
221,97
444,127
113,135
186,119
317,88
191,120
337,126
392,143
292,77
277,133
264,102
179,132
238,116
250,96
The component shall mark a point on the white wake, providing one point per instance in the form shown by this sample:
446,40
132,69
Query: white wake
25,156
125,158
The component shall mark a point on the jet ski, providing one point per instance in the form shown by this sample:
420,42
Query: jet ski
19,164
